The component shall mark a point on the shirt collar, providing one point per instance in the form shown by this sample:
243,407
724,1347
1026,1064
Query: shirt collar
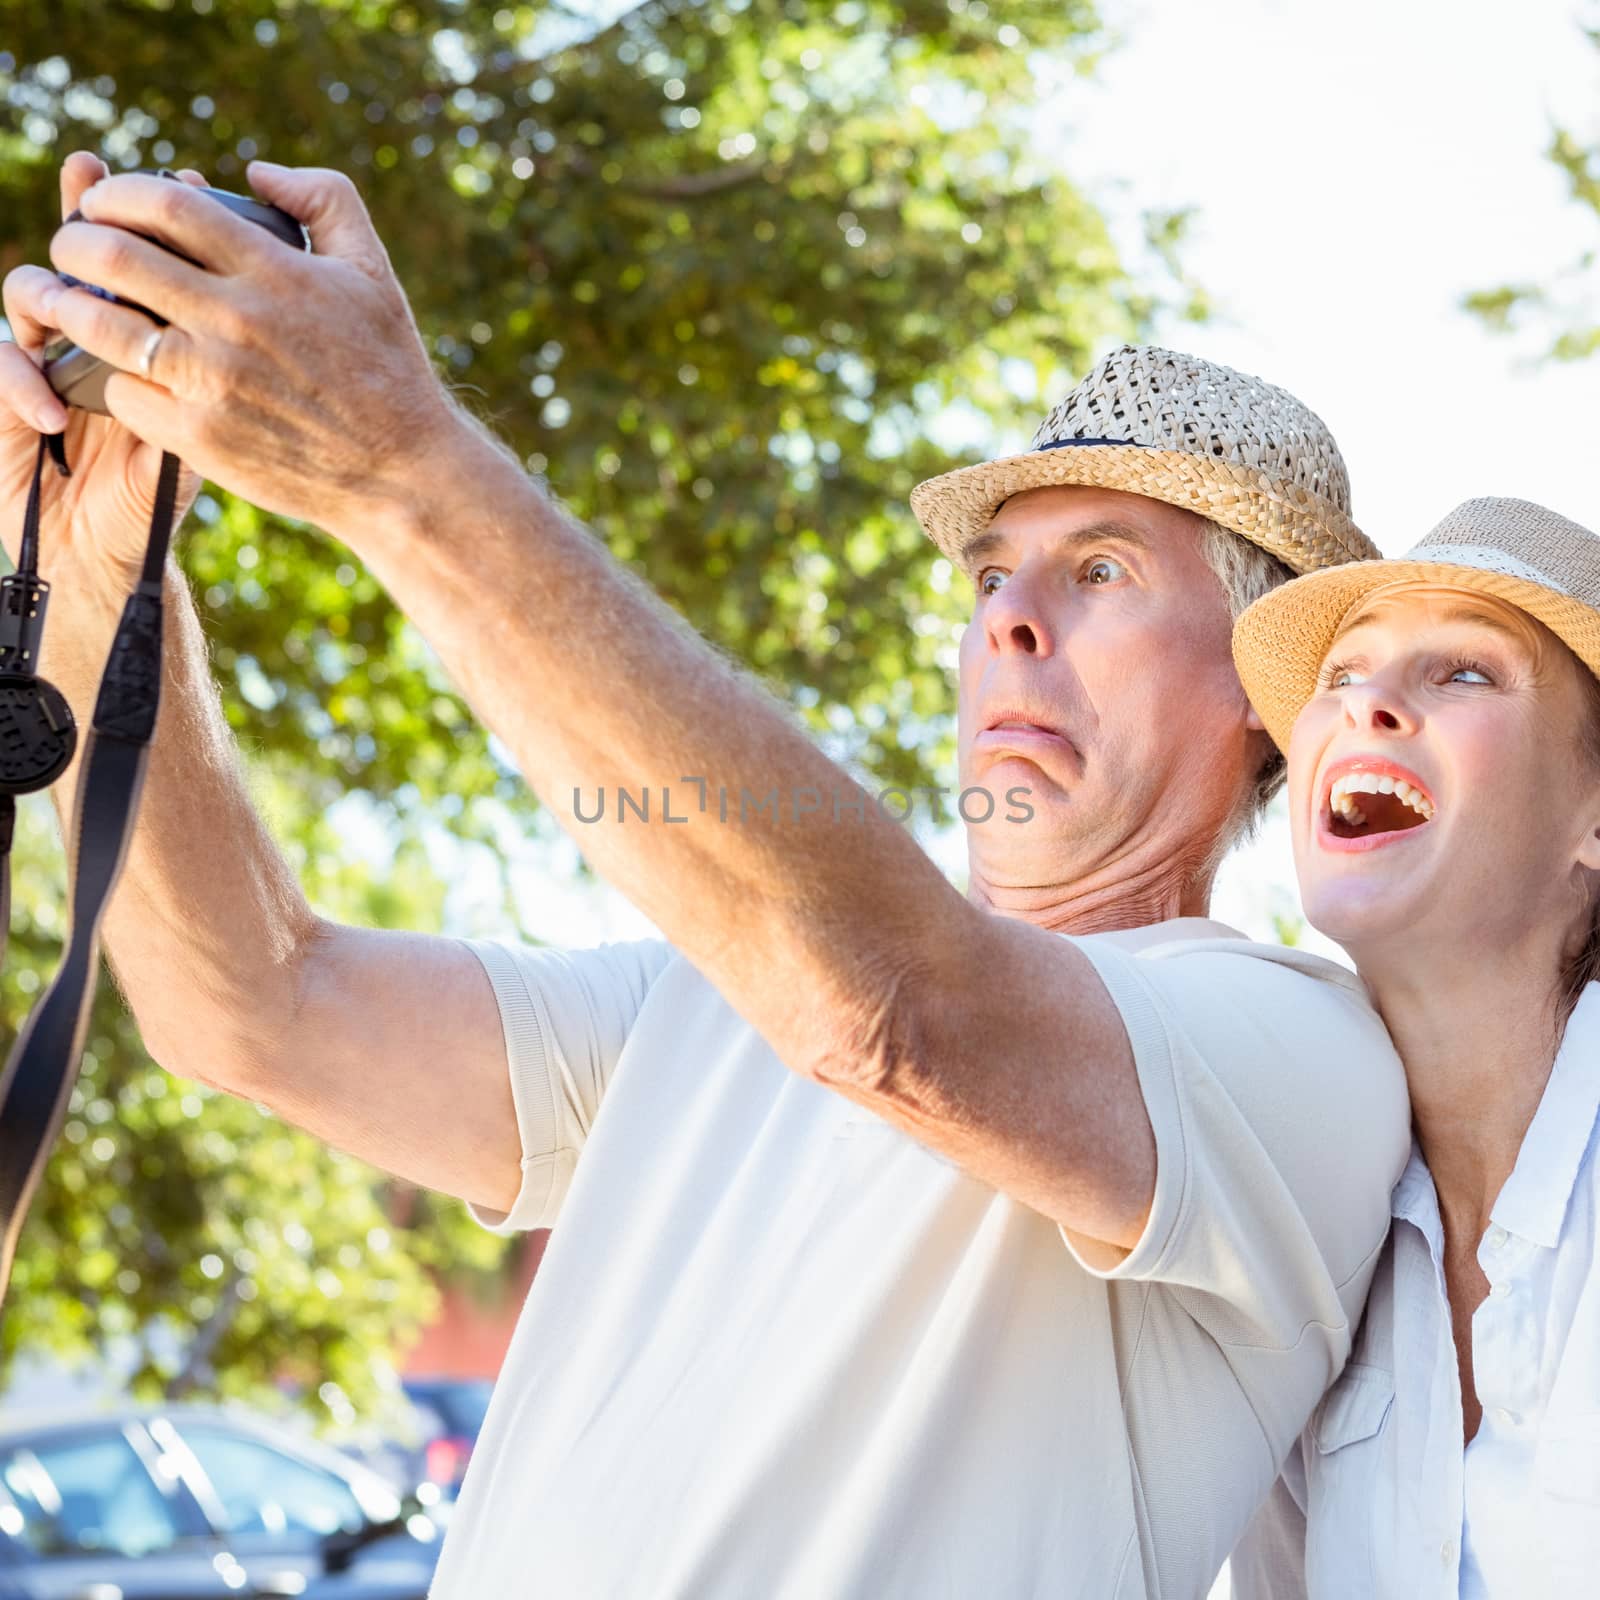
1533,1203
1159,933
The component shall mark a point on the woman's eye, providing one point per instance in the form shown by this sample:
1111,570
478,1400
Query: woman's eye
990,579
1340,677
1104,570
1469,674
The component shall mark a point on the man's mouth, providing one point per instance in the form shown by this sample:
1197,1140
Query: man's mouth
1019,719
1367,803
1022,734
1027,733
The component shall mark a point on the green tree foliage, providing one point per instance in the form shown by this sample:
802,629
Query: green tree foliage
714,269
1566,311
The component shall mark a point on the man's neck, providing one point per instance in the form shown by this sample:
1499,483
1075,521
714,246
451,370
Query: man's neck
1099,903
1478,1036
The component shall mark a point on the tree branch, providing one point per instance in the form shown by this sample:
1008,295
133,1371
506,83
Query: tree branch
687,186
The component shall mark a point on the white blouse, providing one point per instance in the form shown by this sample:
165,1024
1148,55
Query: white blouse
1378,1498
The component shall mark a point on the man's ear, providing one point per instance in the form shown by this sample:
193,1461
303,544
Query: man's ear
1589,848
1252,721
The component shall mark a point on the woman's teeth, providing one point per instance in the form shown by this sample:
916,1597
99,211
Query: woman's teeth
1341,798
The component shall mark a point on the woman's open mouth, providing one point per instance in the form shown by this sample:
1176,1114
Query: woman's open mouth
1363,808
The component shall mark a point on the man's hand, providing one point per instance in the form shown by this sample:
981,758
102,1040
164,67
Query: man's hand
93,525
298,382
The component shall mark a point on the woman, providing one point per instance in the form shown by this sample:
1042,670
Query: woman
1444,789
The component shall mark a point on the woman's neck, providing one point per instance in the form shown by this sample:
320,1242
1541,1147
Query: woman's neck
1478,1032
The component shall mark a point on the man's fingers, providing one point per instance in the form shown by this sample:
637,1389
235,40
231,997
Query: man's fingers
149,413
131,267
174,214
29,295
78,171
331,208
83,168
119,334
26,394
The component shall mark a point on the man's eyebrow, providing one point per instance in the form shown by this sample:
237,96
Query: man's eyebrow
991,539
980,544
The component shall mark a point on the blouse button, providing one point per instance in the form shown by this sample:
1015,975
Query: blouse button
1447,1551
1500,1290
1497,1236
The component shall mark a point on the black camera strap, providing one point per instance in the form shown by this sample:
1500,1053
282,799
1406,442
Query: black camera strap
37,738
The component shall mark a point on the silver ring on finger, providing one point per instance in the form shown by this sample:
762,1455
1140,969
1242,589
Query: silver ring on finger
148,354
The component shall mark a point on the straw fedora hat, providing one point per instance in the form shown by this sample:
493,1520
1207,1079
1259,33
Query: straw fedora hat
1176,428
1525,555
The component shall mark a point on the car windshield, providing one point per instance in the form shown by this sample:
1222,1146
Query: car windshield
84,1496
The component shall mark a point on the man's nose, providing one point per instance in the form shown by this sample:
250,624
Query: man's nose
1015,619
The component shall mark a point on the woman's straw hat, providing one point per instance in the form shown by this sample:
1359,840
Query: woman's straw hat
1175,428
1523,554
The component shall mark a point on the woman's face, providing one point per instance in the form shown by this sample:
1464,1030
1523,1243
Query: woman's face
1441,786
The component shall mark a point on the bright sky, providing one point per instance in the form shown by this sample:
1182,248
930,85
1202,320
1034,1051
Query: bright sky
1355,170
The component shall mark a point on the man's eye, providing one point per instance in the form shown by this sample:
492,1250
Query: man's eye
990,579
1468,672
1104,570
1339,677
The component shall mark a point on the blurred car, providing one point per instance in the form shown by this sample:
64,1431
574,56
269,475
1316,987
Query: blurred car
181,1502
450,1413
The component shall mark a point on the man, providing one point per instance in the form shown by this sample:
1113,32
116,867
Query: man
906,1246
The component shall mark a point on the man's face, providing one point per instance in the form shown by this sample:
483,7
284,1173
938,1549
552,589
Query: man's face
1096,675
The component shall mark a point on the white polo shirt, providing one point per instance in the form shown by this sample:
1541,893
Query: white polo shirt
1380,1499
778,1348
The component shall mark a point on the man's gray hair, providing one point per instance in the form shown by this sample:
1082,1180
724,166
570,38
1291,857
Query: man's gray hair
1246,572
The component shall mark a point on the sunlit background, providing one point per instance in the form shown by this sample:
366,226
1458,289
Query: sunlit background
732,276
1353,175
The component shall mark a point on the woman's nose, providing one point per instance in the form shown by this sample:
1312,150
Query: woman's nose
1375,706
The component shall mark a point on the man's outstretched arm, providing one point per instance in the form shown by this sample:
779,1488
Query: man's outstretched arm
302,384
830,931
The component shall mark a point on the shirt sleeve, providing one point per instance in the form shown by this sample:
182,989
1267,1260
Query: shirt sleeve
1281,1124
565,1016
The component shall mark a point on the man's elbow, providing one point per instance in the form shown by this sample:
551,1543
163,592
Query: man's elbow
244,1045
876,1043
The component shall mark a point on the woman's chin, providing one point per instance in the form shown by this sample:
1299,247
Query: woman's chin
1362,915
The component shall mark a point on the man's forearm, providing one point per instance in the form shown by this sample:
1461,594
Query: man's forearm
836,938
207,921
595,684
